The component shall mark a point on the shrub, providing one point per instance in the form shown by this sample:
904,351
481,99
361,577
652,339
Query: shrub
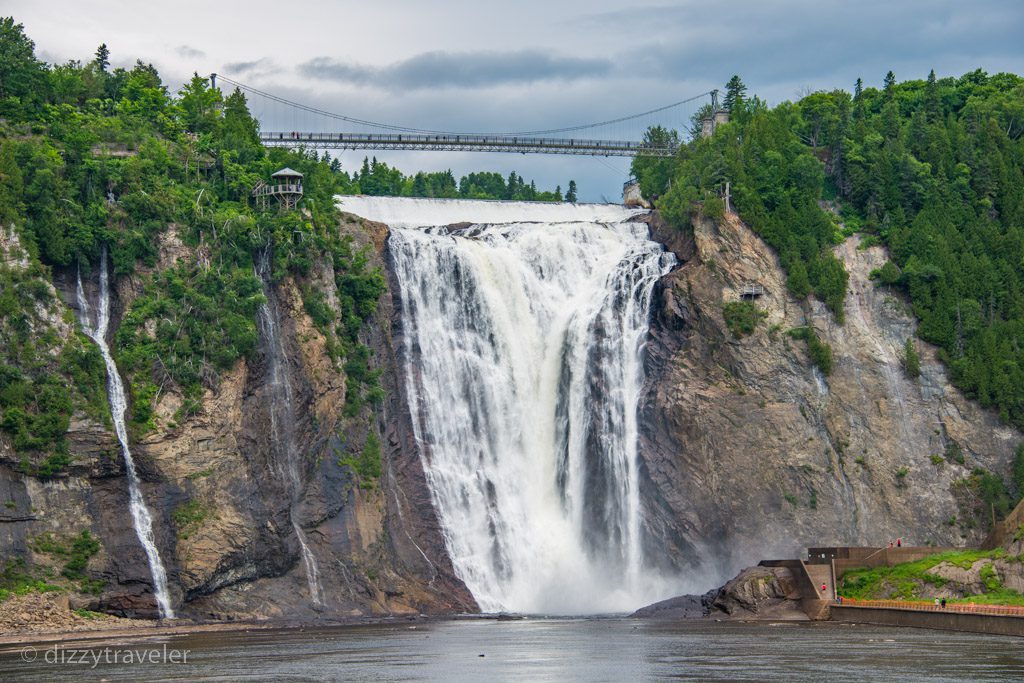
742,317
911,359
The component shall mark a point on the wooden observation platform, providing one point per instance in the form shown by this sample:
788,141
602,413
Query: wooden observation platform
285,186
751,291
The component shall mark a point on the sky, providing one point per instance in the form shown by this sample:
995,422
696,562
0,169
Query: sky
485,66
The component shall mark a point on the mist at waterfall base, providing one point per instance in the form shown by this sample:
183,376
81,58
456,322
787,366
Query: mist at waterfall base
523,338
142,519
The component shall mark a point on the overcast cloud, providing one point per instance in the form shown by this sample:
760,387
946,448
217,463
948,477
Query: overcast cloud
472,65
440,69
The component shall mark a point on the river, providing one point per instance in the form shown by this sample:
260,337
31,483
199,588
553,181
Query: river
547,650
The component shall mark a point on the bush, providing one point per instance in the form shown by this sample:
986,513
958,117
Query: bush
368,463
911,360
742,317
820,352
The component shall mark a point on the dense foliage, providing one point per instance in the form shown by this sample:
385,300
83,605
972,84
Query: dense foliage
934,169
94,160
376,178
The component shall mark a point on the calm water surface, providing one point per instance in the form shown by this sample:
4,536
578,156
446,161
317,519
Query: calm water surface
549,650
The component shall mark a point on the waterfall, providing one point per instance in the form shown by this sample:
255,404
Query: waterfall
282,420
141,517
523,365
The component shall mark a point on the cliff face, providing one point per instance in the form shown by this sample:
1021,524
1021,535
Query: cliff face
222,507
749,451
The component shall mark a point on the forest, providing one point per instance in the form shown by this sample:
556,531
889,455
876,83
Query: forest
933,169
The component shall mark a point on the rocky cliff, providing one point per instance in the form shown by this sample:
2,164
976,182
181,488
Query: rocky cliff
223,509
749,451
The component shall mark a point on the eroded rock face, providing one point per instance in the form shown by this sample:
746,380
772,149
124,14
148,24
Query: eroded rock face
763,592
749,452
222,509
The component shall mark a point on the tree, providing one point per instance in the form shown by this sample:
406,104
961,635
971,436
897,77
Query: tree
241,130
697,120
735,92
932,105
889,83
798,281
911,359
22,76
102,60
570,194
654,173
200,105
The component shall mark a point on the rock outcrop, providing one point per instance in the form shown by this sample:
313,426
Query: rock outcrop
750,452
222,512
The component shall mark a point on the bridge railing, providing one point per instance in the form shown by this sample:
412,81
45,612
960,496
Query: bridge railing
449,141
922,606
281,188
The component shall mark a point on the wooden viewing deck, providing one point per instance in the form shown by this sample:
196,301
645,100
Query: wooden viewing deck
285,188
467,143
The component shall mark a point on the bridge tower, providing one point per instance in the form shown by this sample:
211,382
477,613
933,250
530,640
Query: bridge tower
718,117
285,186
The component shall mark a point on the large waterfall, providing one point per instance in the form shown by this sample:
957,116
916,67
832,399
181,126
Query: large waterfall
523,342
141,517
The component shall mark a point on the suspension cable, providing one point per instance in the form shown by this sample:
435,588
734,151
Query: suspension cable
405,129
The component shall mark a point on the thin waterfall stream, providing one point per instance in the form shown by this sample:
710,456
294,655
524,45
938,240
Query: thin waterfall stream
141,517
282,420
523,364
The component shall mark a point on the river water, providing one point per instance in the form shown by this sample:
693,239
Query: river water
552,650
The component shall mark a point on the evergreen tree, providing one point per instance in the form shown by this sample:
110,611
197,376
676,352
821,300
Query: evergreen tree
735,91
102,59
22,76
889,83
911,359
570,195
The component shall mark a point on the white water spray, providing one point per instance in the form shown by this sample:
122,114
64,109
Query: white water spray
141,517
523,363
282,422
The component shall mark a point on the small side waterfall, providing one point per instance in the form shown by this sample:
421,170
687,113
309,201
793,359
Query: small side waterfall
523,362
141,517
282,420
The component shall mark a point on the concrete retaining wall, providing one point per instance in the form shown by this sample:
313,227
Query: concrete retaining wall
948,621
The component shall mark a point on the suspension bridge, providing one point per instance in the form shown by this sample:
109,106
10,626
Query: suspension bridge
316,128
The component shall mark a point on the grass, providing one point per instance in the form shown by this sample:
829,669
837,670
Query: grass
189,517
904,581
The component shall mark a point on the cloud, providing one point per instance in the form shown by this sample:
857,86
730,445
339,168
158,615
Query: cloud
189,52
441,69
257,66
776,46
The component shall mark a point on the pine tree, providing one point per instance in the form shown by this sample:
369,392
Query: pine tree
102,60
932,106
734,94
889,83
911,359
570,195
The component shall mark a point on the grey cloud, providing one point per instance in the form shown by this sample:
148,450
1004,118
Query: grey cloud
243,68
824,44
440,69
189,52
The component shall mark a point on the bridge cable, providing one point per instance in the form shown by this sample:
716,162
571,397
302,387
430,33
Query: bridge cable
404,129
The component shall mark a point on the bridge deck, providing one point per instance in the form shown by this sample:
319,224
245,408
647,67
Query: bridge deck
468,143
